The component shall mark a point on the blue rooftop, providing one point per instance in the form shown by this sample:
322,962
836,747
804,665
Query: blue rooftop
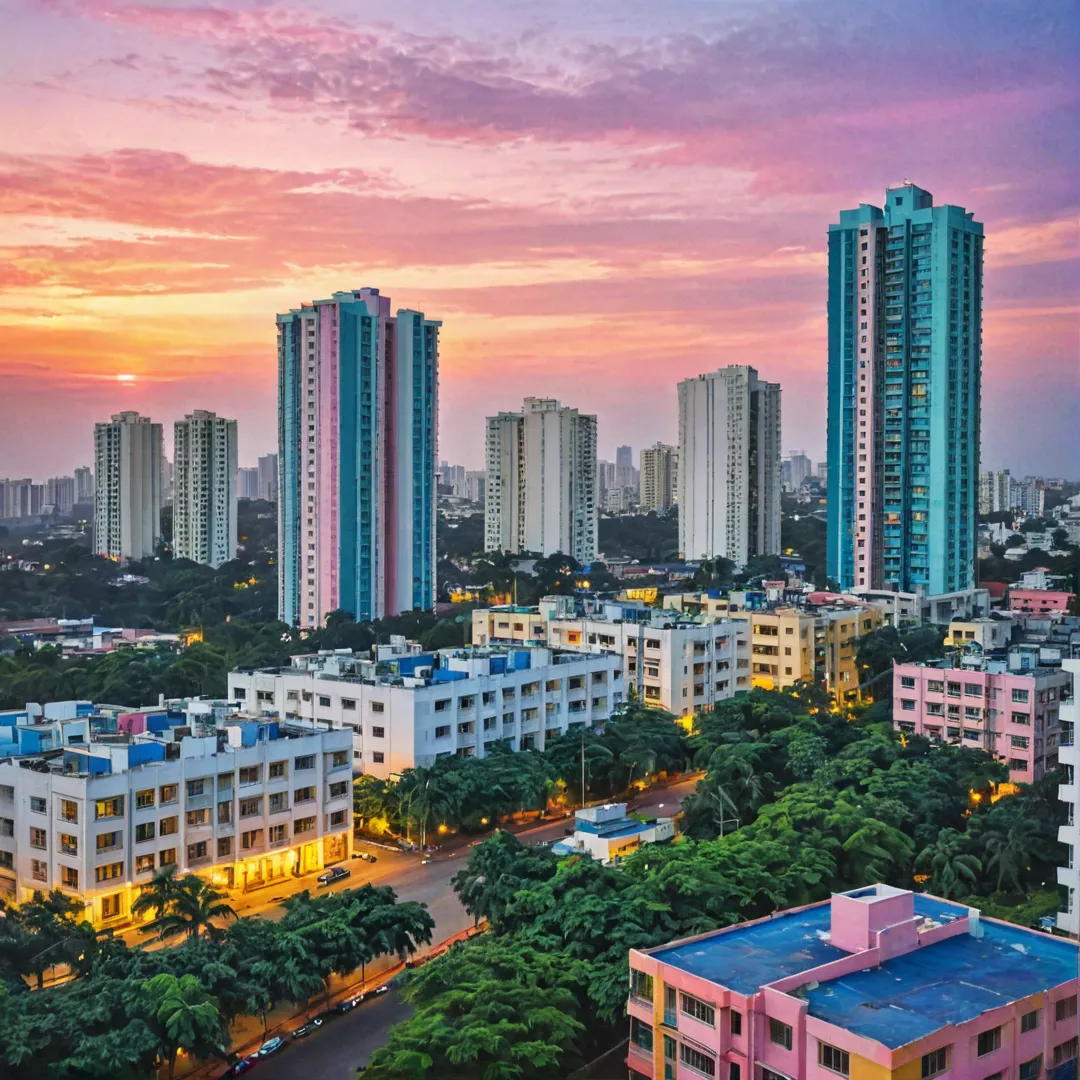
747,957
951,982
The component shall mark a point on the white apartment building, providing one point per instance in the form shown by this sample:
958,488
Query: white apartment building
243,803
413,709
672,662
659,476
84,484
59,495
204,488
994,493
1068,876
541,493
127,486
729,465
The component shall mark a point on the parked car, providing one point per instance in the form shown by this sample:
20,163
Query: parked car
238,1068
306,1029
335,873
350,1003
271,1046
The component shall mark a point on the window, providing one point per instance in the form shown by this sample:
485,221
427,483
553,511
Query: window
277,770
305,762
378,706
277,834
641,985
224,847
695,1059
1065,1009
1020,696
907,704
907,682
834,1059
169,793
167,857
324,702
935,1062
198,851
1029,1070
378,757
1065,1051
39,839
1021,718
339,758
108,841
338,819
144,864
442,705
780,1033
348,703
251,807
7,860
109,872
641,1035
442,732
110,906
144,832
69,845
304,794
1030,1021
699,1010
250,774
736,1022
39,806
279,801
339,789
251,839
194,818
734,1071
143,799
109,808
168,826
378,733
303,825
39,870
989,1041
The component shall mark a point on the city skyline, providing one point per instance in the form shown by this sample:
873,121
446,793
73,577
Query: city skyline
596,213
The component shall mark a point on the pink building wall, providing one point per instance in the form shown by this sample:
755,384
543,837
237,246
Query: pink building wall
991,712
1038,601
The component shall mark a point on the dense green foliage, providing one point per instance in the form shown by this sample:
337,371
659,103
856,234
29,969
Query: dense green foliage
811,801
128,1012
875,653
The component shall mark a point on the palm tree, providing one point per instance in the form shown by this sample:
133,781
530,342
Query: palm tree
158,895
1011,851
875,850
953,871
194,905
184,1016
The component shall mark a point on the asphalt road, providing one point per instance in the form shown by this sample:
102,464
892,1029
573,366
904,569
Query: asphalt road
343,1043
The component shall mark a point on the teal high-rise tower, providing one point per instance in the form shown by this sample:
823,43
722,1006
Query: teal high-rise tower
357,446
905,357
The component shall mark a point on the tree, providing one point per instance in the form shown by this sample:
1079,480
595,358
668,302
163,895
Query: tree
158,895
184,1016
953,871
192,907
496,871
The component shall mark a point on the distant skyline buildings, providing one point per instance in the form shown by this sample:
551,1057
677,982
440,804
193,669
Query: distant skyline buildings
729,465
357,433
204,488
904,380
541,481
659,478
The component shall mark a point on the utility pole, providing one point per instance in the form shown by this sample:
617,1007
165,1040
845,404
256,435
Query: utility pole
583,768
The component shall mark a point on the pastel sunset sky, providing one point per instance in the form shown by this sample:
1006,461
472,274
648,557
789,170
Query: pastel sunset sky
597,197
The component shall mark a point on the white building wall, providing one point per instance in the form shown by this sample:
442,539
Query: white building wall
128,491
400,727
1068,876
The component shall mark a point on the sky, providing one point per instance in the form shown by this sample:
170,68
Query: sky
597,199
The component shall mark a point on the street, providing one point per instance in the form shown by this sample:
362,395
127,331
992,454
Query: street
344,1043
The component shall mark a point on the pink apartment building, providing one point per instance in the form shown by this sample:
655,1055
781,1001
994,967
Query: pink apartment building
978,702
875,984
1039,601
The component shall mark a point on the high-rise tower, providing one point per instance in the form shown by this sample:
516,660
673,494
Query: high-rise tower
659,475
204,488
127,486
541,481
357,413
905,347
729,465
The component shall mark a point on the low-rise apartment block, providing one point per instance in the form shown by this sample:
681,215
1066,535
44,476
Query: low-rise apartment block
93,803
671,661
985,703
606,833
405,708
874,984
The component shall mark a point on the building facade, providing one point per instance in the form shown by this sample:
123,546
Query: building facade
357,416
659,476
904,385
247,482
241,802
127,486
204,488
875,983
1068,875
541,494
84,484
984,704
995,495
268,477
59,495
729,466
411,709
